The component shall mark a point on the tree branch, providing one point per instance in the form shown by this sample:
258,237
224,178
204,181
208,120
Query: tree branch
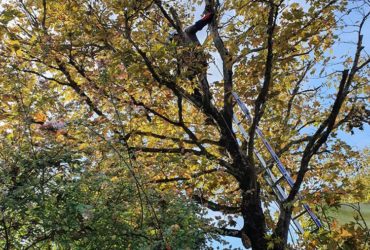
262,97
196,175
295,93
214,206
44,14
175,139
319,137
166,150
71,83
141,104
174,23
170,85
230,232
227,65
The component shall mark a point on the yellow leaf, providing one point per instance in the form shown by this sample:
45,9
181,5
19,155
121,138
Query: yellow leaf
59,138
14,43
83,146
114,179
306,234
345,233
19,53
39,117
334,224
33,39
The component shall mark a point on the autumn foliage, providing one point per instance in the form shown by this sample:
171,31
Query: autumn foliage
110,139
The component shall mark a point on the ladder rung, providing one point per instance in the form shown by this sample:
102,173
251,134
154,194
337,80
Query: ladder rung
315,230
278,180
300,214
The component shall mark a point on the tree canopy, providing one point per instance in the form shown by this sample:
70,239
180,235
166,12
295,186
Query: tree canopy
111,139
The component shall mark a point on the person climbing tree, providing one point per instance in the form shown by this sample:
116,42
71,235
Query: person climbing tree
194,60
191,31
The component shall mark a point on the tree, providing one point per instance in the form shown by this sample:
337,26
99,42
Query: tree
59,191
106,68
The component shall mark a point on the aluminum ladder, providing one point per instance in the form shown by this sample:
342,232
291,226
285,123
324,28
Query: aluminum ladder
272,180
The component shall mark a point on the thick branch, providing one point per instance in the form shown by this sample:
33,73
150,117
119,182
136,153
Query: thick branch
319,137
230,232
262,97
174,23
214,206
227,65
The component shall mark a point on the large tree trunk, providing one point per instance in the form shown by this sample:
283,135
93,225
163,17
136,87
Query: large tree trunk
280,235
245,172
254,219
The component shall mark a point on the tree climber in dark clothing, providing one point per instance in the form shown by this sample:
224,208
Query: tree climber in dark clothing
194,59
191,31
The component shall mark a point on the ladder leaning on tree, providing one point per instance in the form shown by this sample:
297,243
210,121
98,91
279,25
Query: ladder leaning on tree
269,176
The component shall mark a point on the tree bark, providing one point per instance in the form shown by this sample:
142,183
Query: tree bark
254,219
281,233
